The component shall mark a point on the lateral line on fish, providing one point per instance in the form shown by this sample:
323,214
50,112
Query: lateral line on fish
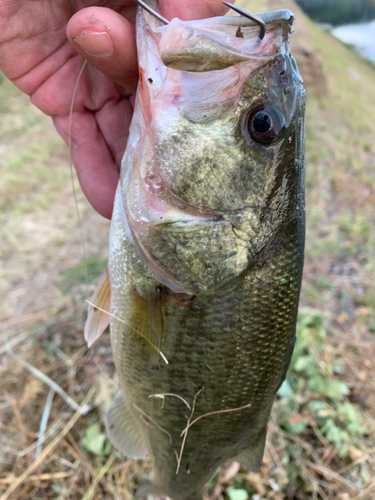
154,422
161,396
83,239
187,427
139,333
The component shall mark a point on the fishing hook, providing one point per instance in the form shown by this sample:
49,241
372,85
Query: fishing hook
144,5
249,15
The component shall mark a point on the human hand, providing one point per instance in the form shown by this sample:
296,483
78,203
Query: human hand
37,56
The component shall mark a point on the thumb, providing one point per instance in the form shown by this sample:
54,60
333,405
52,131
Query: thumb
107,40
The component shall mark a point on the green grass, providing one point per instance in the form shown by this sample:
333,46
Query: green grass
33,160
88,271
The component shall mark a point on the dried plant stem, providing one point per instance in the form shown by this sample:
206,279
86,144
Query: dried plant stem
322,494
18,481
330,473
39,477
277,460
41,376
54,427
26,318
88,495
186,428
190,423
44,421
83,239
214,413
161,396
74,449
18,418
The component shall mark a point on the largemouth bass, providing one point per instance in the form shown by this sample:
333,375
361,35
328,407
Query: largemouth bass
206,246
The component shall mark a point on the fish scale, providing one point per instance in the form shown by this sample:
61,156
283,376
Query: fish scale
206,246
232,349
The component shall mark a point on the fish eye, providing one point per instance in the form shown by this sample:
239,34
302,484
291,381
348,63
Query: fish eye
266,124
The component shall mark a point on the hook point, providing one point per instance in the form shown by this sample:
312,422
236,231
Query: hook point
249,15
151,11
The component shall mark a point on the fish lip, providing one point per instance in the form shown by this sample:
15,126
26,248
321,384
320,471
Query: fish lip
212,45
268,17
188,221
278,15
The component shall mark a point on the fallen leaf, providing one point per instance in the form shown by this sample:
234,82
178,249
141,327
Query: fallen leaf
96,441
236,493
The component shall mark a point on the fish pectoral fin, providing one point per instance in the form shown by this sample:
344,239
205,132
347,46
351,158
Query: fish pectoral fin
98,320
251,458
146,321
123,430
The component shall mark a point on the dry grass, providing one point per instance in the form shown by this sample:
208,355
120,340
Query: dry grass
62,467
45,446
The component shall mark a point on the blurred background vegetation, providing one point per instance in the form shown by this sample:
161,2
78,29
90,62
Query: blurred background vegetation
339,11
321,440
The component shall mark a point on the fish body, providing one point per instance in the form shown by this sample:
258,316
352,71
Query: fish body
206,246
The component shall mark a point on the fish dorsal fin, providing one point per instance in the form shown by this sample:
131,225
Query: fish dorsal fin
97,320
251,458
123,429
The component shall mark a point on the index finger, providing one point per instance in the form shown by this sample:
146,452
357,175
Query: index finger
191,9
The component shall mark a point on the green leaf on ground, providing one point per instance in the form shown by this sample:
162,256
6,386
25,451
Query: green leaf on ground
96,441
237,493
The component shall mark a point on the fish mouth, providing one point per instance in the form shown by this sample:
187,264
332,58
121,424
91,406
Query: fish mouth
195,254
220,42
154,238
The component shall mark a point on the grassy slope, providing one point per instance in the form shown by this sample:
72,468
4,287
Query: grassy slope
39,231
322,432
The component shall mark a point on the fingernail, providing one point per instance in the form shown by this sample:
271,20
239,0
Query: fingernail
95,44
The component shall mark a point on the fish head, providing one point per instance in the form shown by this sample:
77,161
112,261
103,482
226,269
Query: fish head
214,168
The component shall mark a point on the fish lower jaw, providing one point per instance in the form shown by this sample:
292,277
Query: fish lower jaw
145,227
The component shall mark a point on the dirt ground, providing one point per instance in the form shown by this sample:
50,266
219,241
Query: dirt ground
53,390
